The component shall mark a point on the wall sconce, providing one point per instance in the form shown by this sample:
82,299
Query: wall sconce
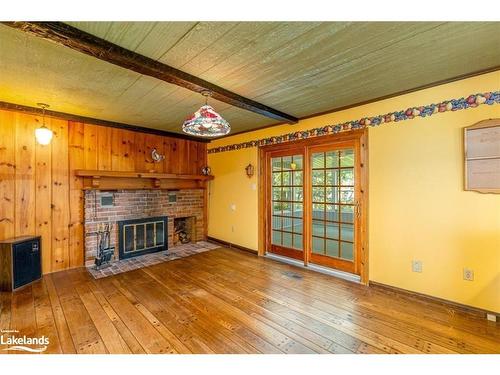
249,170
156,156
43,135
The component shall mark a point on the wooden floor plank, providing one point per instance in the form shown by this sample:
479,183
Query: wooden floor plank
275,315
83,331
206,328
141,328
410,319
45,321
112,339
229,301
260,341
347,316
286,342
5,315
63,333
120,326
23,314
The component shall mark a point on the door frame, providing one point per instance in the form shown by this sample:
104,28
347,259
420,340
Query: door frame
264,198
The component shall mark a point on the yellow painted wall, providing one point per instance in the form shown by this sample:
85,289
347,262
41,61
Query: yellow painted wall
418,208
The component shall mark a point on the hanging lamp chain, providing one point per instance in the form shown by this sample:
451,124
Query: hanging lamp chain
206,94
43,106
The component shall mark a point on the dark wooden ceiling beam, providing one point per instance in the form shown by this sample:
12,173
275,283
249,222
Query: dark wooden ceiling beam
89,44
94,121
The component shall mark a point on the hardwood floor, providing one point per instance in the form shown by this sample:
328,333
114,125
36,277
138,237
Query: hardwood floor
229,301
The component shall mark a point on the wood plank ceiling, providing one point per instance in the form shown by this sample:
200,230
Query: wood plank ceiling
300,68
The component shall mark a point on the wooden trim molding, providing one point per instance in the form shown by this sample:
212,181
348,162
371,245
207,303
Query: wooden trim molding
78,40
89,120
229,244
117,180
471,101
427,298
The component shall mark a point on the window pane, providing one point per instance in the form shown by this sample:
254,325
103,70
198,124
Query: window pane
318,160
287,239
287,161
347,214
332,212
287,178
318,177
347,158
297,209
286,208
332,230
347,232
332,177
332,159
318,245
276,193
346,251
297,178
347,176
276,163
277,179
297,159
276,208
276,222
297,194
287,224
287,194
318,228
297,241
332,194
332,248
318,211
297,225
347,195
276,240
318,194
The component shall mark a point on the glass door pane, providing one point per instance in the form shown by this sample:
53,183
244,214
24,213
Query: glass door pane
333,204
287,202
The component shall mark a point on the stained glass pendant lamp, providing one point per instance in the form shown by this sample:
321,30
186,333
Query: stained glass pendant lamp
205,122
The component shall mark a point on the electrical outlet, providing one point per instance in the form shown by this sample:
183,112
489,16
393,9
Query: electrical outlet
468,274
232,207
416,266
232,228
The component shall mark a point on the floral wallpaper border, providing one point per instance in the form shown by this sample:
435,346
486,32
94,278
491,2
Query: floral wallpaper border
471,101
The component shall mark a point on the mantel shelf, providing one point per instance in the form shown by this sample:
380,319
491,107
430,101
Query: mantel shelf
122,180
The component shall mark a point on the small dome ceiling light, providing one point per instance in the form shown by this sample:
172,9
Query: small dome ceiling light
43,135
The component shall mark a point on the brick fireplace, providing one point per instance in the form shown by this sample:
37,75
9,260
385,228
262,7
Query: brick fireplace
104,207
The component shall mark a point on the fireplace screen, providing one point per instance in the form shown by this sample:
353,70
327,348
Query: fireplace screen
142,236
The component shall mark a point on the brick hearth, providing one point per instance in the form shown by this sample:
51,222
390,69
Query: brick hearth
135,204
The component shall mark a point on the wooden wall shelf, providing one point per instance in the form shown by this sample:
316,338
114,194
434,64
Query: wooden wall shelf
123,180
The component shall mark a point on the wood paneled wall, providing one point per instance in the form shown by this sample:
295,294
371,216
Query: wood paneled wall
39,192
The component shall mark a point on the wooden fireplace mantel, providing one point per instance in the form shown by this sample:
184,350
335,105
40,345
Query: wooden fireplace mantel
122,180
